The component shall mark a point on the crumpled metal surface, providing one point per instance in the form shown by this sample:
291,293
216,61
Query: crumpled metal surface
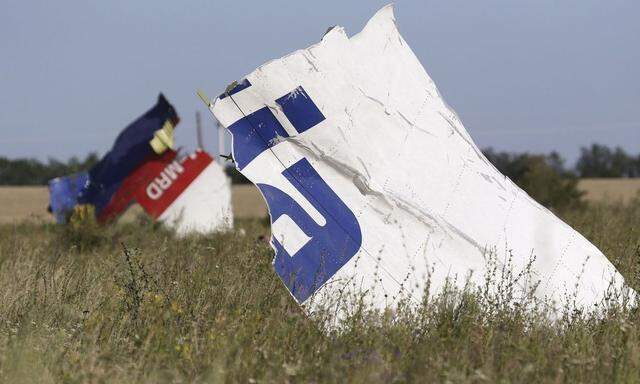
374,185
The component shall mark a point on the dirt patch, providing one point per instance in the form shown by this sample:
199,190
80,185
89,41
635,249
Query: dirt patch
612,190
24,203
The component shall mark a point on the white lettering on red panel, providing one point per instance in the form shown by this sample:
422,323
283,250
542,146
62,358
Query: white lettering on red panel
156,188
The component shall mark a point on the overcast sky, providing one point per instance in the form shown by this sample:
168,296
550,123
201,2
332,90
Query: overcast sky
523,75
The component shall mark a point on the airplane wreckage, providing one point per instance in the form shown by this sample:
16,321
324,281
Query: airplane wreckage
187,194
374,186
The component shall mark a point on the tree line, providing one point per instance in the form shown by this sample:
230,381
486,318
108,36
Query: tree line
29,171
594,161
545,177
36,172
601,161
551,183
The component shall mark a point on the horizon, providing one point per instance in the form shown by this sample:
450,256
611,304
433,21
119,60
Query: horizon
524,78
570,165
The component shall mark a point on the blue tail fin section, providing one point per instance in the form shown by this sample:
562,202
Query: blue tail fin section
129,151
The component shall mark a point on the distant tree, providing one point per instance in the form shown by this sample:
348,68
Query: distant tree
594,161
34,172
548,186
511,165
556,162
543,177
600,161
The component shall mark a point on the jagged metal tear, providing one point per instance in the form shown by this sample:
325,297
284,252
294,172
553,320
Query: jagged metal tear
373,128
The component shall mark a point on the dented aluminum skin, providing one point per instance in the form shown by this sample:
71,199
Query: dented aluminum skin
375,186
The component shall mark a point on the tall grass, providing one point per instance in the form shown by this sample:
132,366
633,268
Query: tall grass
130,303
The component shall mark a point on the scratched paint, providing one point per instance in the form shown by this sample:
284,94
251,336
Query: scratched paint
374,185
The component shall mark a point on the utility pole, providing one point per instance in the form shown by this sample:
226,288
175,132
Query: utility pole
221,129
199,131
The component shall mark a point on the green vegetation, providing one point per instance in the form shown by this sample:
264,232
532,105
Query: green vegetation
600,161
595,161
130,303
543,177
35,172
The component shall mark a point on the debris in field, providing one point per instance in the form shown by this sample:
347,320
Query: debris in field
110,187
192,194
63,195
374,185
188,195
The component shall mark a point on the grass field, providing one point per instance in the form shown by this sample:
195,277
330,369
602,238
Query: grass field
130,303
